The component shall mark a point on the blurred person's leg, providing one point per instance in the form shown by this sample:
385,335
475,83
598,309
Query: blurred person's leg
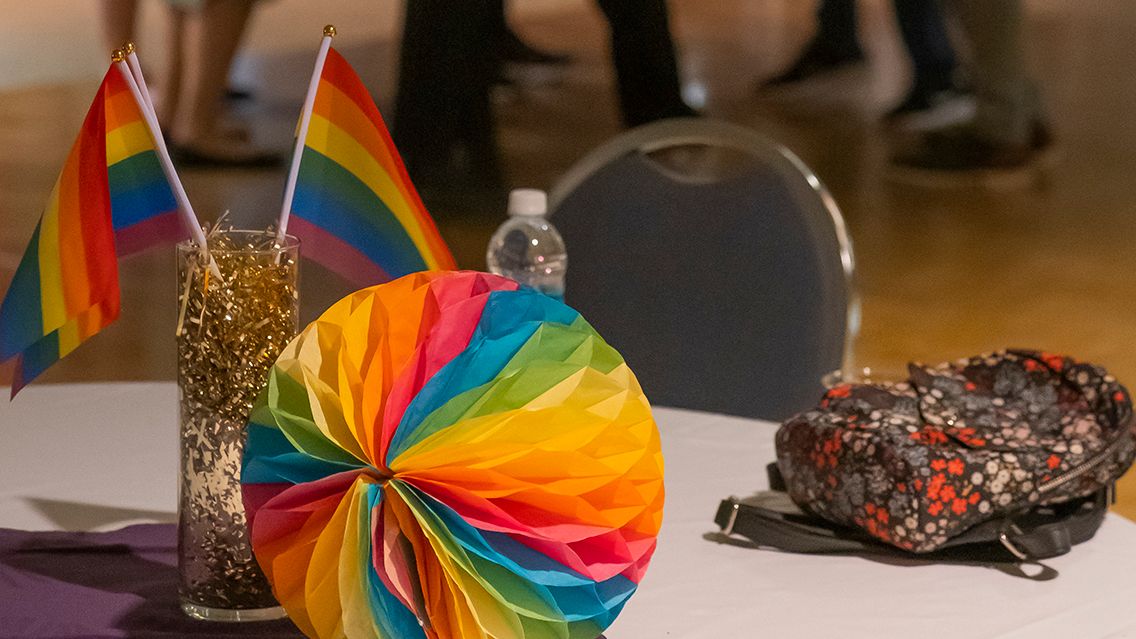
925,36
118,22
443,121
835,44
172,83
511,48
933,99
645,63
1007,98
836,25
198,133
1008,130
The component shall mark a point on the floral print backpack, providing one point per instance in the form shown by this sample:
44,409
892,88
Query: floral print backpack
1014,452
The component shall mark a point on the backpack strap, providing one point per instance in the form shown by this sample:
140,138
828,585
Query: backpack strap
1039,533
789,531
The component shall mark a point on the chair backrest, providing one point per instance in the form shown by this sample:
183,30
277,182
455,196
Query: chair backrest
715,261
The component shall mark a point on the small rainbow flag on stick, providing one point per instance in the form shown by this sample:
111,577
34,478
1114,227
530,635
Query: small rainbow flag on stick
348,196
112,198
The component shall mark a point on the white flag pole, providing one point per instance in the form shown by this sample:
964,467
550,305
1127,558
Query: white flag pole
151,120
302,134
136,70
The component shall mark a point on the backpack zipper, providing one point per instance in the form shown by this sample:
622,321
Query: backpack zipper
1074,473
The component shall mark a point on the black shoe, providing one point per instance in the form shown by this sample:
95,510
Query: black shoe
501,78
1043,144
959,155
236,94
817,58
915,102
1041,137
663,112
924,110
960,149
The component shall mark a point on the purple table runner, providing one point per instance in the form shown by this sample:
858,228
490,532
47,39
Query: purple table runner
101,585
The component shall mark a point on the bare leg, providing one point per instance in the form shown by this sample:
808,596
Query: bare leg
836,44
220,27
171,96
510,47
118,22
212,46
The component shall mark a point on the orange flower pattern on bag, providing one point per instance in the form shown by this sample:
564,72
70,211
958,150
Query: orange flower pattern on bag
917,462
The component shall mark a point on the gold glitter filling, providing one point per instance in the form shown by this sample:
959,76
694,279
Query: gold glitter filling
229,333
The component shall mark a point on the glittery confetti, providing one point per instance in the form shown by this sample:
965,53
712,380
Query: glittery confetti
230,330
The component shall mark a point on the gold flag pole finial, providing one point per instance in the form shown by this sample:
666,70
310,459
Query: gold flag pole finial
117,55
128,48
329,30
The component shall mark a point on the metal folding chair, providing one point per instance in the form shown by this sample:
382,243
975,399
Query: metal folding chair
715,261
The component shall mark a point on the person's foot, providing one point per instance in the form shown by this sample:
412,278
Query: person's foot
222,152
1045,148
237,93
925,110
234,133
678,109
1041,137
513,50
519,63
961,155
817,58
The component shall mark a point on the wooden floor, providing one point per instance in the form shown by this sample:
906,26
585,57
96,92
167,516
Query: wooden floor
942,273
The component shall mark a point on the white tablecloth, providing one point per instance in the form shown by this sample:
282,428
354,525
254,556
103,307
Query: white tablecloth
102,455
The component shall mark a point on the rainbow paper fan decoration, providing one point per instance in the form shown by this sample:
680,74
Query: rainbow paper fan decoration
447,456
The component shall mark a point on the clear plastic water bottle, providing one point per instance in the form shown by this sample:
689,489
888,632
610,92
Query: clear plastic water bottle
527,248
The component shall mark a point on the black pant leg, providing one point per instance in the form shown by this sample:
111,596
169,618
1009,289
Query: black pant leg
445,74
837,28
925,35
645,61
498,19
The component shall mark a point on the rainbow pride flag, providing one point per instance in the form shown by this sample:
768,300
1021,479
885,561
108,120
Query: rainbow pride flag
111,199
354,207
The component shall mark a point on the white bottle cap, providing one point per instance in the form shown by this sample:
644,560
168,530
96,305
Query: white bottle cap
528,202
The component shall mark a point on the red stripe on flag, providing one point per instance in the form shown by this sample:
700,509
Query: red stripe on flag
160,229
94,204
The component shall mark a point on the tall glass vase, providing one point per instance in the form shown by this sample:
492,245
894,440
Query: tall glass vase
233,321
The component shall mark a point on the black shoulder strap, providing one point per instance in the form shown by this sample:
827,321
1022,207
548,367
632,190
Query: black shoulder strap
1036,534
